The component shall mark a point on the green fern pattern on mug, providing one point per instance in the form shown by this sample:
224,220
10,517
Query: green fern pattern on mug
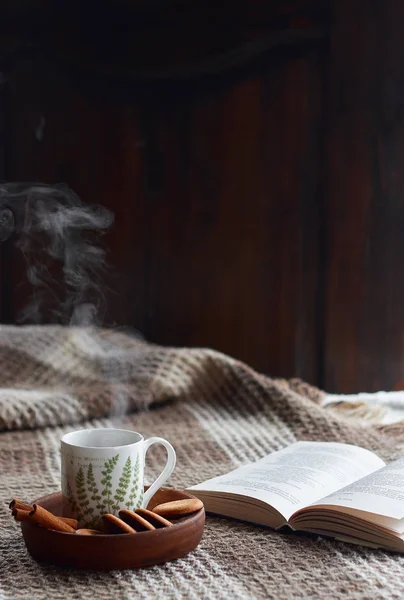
134,491
140,500
71,500
123,484
81,494
94,495
106,481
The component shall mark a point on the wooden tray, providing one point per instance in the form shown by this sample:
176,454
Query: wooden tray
121,551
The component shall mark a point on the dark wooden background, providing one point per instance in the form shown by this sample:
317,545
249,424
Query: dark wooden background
258,194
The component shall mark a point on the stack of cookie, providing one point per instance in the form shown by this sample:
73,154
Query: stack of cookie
143,519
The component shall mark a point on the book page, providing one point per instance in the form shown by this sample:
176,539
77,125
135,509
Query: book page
381,493
298,475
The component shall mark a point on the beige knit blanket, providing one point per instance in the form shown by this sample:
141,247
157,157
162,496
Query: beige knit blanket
219,414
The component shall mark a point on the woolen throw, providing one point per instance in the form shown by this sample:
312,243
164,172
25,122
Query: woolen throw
219,414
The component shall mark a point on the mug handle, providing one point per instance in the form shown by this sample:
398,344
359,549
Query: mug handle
166,472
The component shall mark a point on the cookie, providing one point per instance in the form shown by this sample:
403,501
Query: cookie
113,524
154,518
136,520
178,508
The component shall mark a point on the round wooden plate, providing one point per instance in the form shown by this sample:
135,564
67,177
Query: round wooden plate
121,551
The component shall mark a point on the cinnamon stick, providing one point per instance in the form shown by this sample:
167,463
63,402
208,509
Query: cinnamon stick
72,522
24,515
21,515
19,504
88,532
48,520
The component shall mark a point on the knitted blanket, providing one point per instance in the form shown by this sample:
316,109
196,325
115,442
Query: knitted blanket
218,413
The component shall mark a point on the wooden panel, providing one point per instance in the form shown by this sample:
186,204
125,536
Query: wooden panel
364,336
3,281
216,194
155,36
60,134
233,262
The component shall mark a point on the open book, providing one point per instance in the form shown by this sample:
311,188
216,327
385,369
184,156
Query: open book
333,489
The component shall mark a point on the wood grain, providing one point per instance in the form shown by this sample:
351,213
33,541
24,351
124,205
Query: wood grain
258,211
148,40
365,281
216,192
119,551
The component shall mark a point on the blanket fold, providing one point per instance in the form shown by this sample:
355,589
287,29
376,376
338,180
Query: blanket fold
63,375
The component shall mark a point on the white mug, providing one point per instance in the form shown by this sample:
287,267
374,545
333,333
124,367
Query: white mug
102,472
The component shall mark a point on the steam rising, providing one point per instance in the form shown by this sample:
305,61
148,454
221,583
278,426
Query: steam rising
59,238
